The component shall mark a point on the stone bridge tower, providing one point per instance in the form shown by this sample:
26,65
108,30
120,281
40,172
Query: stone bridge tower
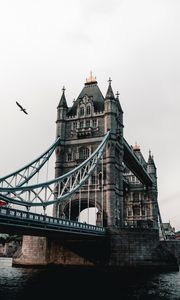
119,197
81,128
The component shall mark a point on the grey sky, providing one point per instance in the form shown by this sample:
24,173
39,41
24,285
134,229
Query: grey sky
47,44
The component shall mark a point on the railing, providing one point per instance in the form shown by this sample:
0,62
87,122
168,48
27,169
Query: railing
58,223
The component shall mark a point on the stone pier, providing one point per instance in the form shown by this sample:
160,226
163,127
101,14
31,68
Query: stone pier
122,248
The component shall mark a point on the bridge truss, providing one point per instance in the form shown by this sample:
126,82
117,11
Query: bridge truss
53,191
15,187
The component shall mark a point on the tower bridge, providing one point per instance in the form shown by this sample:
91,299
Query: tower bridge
95,167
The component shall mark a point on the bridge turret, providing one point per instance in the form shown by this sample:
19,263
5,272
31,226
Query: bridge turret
113,120
151,168
110,109
62,109
153,192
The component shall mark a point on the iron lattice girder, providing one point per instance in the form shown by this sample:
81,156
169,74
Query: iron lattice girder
58,189
23,175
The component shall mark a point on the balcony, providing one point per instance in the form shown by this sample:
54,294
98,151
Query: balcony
84,131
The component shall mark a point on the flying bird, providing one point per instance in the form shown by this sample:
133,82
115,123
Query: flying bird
21,108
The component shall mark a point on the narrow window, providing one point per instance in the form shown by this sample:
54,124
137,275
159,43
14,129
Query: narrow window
69,156
87,123
81,111
94,122
74,125
88,110
84,153
81,124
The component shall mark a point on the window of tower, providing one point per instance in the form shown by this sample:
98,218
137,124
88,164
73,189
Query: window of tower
94,122
74,125
87,123
83,153
136,210
81,124
81,111
135,197
69,156
88,110
129,212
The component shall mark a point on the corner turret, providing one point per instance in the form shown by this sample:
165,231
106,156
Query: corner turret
62,109
110,109
151,168
63,102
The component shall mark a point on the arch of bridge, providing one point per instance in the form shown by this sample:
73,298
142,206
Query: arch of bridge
77,205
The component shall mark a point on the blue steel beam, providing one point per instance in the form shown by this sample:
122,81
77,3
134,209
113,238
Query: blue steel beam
24,174
64,186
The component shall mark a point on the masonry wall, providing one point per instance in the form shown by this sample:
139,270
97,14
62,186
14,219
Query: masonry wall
122,248
32,252
174,247
139,248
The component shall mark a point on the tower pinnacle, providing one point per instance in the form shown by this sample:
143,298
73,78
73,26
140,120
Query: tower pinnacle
110,94
91,79
62,102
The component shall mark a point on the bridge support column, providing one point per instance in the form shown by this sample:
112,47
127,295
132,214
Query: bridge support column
32,252
39,251
137,249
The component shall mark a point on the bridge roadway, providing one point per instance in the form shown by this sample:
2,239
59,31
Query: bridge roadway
16,221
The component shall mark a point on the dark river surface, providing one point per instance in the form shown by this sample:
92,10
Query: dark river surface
59,283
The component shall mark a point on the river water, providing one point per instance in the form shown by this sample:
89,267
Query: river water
58,283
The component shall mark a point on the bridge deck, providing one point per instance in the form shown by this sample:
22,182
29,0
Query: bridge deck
27,223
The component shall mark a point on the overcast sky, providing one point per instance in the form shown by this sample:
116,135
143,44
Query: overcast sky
47,44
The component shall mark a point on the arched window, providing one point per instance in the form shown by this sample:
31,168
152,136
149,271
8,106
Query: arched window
88,110
83,152
82,111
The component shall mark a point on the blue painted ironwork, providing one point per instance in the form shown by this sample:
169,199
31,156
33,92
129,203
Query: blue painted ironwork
24,174
17,218
58,189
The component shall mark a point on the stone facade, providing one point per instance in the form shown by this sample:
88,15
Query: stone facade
118,196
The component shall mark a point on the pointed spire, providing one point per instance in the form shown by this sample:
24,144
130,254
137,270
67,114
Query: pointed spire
118,102
150,159
110,94
63,102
